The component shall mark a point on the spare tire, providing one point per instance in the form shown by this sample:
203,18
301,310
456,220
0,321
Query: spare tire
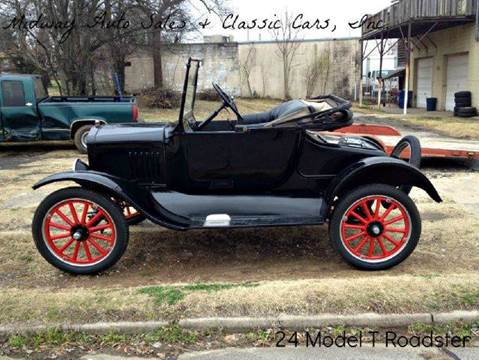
414,146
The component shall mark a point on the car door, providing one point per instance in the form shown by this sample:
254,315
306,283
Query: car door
19,116
236,161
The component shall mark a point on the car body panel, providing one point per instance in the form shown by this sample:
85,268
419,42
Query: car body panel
384,170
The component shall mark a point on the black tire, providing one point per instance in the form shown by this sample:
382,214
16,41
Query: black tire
466,112
463,94
415,155
79,138
340,218
463,103
111,217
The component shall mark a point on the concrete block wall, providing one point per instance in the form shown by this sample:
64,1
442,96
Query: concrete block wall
453,41
224,63
339,73
220,64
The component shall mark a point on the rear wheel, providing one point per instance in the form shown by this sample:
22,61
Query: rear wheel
370,235
80,231
79,138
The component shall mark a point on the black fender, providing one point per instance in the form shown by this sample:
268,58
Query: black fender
379,170
138,197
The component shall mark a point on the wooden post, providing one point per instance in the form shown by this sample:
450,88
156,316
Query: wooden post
408,68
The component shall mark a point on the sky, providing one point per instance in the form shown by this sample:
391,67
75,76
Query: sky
340,13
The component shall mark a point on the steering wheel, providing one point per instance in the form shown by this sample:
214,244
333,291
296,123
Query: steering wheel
227,100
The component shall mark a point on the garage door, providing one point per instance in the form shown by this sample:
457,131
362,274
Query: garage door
457,77
424,81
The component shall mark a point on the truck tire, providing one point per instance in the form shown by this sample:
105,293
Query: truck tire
79,138
383,237
80,231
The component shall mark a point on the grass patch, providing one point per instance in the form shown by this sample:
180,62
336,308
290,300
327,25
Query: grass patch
54,337
171,295
172,335
457,328
163,294
49,337
17,341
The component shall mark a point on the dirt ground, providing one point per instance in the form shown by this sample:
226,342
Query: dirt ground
293,270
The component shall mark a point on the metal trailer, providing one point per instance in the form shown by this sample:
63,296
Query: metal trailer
466,151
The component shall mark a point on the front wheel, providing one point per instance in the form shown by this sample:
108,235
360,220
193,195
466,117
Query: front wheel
80,231
375,227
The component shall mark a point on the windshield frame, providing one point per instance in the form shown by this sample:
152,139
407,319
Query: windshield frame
192,65
37,86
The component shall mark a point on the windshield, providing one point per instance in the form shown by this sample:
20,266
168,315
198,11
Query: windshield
189,94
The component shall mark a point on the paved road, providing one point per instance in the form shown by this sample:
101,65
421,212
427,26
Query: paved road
365,353
331,354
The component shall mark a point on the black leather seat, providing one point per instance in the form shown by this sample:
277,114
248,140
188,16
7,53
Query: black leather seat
277,112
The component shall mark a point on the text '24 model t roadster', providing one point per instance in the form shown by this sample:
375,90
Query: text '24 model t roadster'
276,168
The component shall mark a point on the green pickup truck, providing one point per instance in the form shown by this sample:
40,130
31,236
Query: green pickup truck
27,113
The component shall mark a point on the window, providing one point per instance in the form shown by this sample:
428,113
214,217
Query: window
40,92
13,93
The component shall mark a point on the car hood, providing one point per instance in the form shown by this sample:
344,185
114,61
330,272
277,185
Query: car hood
128,133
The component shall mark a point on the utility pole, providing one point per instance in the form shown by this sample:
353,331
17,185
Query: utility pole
380,78
408,68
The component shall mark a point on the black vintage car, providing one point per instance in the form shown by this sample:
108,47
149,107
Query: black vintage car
275,168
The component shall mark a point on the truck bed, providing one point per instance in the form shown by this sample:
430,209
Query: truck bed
83,99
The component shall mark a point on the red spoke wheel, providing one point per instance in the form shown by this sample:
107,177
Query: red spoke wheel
80,231
375,227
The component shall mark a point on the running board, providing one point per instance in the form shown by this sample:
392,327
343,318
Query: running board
220,211
253,221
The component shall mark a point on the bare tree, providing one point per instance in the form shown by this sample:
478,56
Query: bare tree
317,72
286,39
263,80
163,10
247,66
71,56
324,66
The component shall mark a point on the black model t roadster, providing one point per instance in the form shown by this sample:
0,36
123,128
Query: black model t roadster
276,168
